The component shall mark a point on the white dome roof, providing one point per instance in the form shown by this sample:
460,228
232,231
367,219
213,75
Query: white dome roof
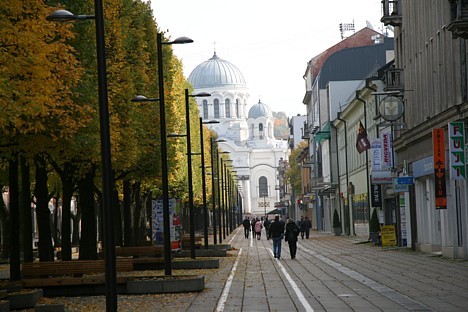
216,72
260,110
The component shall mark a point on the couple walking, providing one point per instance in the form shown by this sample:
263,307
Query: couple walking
278,231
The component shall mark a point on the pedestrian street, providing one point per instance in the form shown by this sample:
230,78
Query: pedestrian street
333,274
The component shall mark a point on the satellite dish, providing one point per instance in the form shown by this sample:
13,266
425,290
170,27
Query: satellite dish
369,25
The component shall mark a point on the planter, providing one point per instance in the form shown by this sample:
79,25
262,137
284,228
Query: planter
337,231
166,284
24,299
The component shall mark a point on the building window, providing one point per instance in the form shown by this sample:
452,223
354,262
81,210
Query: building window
260,131
262,187
205,109
237,108
216,108
227,107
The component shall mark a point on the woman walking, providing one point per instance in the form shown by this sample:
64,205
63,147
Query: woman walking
292,231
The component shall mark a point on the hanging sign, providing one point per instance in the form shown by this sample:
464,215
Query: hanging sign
457,150
439,168
387,150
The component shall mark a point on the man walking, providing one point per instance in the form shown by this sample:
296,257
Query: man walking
277,234
307,226
246,224
267,224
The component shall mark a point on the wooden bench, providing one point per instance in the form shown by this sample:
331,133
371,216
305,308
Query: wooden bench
72,268
140,251
186,241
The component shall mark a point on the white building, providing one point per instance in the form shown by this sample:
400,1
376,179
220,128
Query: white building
248,133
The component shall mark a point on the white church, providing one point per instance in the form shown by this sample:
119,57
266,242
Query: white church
247,133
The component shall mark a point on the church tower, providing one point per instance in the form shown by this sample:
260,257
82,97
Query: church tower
248,134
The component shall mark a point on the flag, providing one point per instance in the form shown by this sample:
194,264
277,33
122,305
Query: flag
362,143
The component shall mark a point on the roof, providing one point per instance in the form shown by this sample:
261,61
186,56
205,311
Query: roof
216,72
260,110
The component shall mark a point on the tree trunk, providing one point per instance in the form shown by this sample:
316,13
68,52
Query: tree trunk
67,188
117,214
46,252
15,273
88,243
127,212
137,221
5,219
26,216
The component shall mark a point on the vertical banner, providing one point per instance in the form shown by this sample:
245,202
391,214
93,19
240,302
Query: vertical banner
439,168
376,199
158,223
376,154
457,150
387,150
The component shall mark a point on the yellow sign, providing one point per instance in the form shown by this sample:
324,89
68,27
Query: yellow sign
388,235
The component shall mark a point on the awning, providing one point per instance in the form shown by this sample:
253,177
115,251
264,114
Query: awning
323,134
275,211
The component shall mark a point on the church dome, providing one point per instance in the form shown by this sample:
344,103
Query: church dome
260,110
216,72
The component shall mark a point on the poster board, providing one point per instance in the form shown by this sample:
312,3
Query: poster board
388,235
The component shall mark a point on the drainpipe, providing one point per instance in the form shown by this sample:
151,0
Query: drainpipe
346,165
367,159
338,172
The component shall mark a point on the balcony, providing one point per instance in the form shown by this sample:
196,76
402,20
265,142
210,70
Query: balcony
458,19
393,79
391,12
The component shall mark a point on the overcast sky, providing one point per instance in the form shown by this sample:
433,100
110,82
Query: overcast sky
270,41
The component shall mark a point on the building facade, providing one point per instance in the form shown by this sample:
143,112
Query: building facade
246,132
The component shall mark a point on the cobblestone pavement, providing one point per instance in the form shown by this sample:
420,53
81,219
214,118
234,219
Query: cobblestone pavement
329,274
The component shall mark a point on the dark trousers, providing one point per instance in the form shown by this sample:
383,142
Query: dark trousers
246,232
307,232
292,248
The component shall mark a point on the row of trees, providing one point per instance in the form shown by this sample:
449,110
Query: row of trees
49,125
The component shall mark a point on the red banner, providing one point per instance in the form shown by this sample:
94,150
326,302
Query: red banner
439,168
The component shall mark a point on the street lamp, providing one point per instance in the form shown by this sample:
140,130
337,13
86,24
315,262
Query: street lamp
225,195
213,187
165,178
109,248
221,194
202,151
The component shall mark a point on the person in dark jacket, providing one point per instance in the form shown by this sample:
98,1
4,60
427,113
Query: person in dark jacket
307,226
292,231
267,224
246,224
277,234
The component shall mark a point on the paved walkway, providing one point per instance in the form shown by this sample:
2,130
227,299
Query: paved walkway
333,274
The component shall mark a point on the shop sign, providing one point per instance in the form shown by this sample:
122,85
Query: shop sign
399,188
439,168
376,199
388,235
382,177
457,150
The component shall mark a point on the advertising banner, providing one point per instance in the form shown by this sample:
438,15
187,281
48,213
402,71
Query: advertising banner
387,150
439,168
376,154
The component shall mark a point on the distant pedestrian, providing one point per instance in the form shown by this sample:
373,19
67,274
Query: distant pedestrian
258,229
267,224
307,227
277,235
292,231
252,224
246,224
300,223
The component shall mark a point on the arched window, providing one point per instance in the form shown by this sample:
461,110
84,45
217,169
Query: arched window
216,108
262,187
205,109
227,107
252,129
260,131
237,108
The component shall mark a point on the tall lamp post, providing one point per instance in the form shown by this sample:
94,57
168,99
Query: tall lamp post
109,248
165,178
213,187
202,153
164,169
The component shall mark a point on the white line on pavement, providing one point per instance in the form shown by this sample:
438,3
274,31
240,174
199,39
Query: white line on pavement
294,286
232,238
227,286
391,294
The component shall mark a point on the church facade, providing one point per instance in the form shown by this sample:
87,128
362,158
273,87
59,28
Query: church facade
246,133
